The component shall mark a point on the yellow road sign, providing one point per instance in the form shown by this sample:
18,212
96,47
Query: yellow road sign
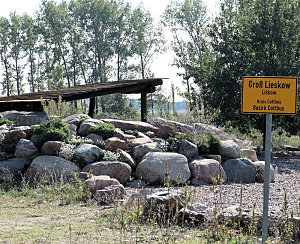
269,95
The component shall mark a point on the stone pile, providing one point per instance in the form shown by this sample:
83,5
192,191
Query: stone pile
142,155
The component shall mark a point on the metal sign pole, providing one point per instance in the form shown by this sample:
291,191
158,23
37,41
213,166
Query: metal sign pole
267,177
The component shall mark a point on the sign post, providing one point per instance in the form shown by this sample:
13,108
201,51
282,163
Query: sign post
268,95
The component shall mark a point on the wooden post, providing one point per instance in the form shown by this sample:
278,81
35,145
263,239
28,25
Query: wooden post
144,107
92,107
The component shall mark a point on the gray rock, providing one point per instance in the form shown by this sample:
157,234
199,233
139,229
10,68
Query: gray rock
240,170
165,131
26,129
110,194
230,149
25,148
114,143
87,153
73,130
29,118
85,126
13,165
51,168
99,182
249,153
153,166
35,138
114,169
177,126
163,206
140,151
126,158
196,214
139,141
136,184
150,134
205,129
188,149
52,147
212,156
14,136
208,171
95,137
74,118
131,125
260,169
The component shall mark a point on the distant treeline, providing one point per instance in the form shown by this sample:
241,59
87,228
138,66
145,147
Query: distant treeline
80,42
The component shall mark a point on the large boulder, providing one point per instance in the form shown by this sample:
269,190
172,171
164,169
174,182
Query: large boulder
240,170
87,153
52,147
26,118
14,136
163,206
114,143
99,182
126,158
230,149
140,151
110,194
153,167
85,126
13,165
114,169
188,149
131,125
74,118
51,168
165,131
207,171
139,141
205,129
260,170
25,148
26,129
249,153
196,214
176,126
95,138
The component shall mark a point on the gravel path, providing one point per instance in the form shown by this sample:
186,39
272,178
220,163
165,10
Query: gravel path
287,182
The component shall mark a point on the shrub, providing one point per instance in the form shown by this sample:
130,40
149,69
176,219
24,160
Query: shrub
110,156
174,141
53,130
208,144
105,130
67,151
80,121
6,121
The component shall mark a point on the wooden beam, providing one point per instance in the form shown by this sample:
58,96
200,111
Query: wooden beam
92,107
144,107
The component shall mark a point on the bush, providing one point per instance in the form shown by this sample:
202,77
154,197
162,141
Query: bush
53,130
208,144
6,121
105,130
174,141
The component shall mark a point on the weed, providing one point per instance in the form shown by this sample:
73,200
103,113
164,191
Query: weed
105,130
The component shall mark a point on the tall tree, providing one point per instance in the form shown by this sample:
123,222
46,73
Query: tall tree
16,51
8,87
187,21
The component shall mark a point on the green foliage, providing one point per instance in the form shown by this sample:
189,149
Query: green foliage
53,130
208,144
53,108
80,121
174,141
6,121
105,130
67,151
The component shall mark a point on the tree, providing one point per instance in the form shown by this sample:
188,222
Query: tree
16,51
8,87
187,21
148,40
251,38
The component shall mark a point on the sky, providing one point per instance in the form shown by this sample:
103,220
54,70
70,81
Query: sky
162,64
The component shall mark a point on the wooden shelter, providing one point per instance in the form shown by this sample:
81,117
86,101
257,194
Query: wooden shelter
32,101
